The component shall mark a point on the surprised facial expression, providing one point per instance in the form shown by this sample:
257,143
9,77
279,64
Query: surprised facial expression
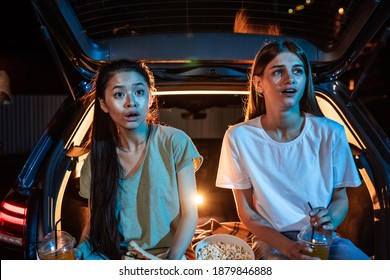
283,82
127,99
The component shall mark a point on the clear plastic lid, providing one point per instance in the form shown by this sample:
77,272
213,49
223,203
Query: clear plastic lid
56,241
315,235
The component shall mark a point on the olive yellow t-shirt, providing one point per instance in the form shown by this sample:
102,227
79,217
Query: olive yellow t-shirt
148,206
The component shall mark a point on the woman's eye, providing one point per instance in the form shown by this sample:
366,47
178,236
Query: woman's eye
277,72
119,94
298,71
139,92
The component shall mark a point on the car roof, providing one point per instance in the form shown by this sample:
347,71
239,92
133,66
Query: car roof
213,39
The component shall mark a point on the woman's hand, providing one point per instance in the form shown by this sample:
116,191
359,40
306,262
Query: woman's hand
83,250
299,251
320,216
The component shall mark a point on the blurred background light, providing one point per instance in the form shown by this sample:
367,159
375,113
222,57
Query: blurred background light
199,199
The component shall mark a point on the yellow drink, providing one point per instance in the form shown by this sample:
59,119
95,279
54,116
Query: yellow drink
60,255
319,251
318,239
57,245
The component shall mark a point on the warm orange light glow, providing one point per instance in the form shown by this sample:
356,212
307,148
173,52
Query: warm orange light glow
13,208
341,11
351,85
299,7
242,24
199,199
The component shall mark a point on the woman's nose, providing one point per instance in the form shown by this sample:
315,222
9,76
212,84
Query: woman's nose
289,78
130,101
131,104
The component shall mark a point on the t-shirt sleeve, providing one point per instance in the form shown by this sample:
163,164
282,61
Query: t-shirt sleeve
344,168
231,173
85,179
185,151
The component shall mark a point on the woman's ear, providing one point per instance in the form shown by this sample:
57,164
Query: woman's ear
256,81
103,106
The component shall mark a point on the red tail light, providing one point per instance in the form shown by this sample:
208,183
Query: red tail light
13,213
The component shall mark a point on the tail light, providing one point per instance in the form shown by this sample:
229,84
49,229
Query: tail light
13,213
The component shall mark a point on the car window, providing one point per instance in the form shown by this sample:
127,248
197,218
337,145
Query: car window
324,23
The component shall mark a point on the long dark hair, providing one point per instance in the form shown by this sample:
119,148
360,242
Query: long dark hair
255,103
105,167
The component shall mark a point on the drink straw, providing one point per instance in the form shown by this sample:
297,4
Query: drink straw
312,227
55,234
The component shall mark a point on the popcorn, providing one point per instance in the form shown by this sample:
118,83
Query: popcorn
223,251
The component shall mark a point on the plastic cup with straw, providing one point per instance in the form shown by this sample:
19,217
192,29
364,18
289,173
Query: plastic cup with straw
57,245
317,238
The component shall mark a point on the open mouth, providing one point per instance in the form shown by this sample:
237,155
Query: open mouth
132,115
289,91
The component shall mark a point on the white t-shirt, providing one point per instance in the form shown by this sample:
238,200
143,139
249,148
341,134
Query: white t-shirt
287,175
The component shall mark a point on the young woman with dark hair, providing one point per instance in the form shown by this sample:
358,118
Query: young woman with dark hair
140,175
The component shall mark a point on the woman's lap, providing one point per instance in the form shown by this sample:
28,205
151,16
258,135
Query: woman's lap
344,249
341,249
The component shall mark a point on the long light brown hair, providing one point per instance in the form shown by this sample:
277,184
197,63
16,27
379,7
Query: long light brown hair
255,103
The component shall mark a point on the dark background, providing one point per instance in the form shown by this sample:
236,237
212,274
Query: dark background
23,52
31,69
